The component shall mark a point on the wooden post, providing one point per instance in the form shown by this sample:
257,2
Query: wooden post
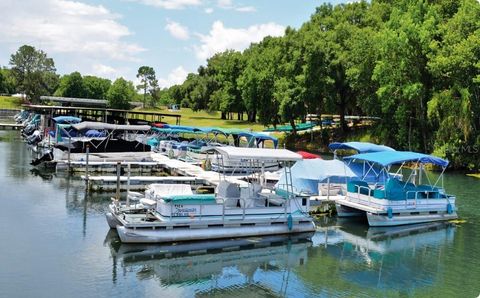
86,166
69,149
117,194
128,185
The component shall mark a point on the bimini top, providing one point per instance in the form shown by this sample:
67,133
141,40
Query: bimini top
66,119
259,137
387,158
108,126
360,147
261,154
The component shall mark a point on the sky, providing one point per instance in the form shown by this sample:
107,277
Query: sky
113,38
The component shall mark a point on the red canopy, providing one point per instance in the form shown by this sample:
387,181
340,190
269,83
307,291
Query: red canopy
307,155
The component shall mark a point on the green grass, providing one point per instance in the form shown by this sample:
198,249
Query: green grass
474,175
206,119
8,102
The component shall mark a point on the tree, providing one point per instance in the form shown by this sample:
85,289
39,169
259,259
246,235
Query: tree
120,94
147,78
71,86
96,87
7,81
33,71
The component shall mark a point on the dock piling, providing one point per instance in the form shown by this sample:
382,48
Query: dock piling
69,149
117,194
87,157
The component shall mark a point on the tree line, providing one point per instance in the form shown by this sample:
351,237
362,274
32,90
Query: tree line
415,64
33,74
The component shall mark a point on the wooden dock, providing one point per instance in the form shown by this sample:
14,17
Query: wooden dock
109,183
10,126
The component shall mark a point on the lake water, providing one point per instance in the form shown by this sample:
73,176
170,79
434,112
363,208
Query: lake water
55,242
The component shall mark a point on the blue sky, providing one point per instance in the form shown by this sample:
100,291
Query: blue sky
113,38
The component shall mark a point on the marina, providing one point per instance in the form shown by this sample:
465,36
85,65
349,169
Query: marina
343,257
188,148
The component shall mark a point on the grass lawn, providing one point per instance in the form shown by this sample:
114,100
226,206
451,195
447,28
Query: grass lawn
202,118
8,102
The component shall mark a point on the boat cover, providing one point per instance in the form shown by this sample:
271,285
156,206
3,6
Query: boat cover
86,125
360,147
66,120
257,154
308,155
307,174
387,158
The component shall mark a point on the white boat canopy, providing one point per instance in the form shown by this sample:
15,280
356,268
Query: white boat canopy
308,173
108,126
258,154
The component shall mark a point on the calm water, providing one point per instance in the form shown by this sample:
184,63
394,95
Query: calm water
54,242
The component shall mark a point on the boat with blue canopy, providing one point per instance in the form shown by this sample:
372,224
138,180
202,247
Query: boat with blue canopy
397,199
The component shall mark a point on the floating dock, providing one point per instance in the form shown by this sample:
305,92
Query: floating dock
109,183
10,126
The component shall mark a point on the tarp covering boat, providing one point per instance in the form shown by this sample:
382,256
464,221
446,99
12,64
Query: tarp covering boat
387,158
289,128
307,174
360,147
87,125
66,120
308,155
259,154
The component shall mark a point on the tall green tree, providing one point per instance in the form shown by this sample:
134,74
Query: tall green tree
71,85
454,109
146,74
8,85
34,72
120,94
96,87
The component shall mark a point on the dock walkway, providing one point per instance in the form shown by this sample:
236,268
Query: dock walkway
10,126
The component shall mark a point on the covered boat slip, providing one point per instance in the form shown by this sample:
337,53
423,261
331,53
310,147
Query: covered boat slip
212,134
390,201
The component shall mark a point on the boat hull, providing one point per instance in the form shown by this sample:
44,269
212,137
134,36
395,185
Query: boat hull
345,211
149,235
380,220
112,221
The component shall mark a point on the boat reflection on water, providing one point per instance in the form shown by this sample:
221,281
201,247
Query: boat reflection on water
246,264
344,259
398,258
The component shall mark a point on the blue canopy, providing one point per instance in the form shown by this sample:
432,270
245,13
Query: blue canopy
67,119
387,158
361,147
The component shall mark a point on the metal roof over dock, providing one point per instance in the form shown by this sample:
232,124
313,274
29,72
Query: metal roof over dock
103,114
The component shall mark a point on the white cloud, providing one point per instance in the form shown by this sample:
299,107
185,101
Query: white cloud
209,10
228,4
62,26
103,70
177,30
176,76
221,38
170,4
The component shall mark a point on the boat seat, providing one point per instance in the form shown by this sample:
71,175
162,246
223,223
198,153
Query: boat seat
148,204
193,199
355,186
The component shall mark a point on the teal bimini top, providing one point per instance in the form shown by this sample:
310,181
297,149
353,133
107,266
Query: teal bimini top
386,158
